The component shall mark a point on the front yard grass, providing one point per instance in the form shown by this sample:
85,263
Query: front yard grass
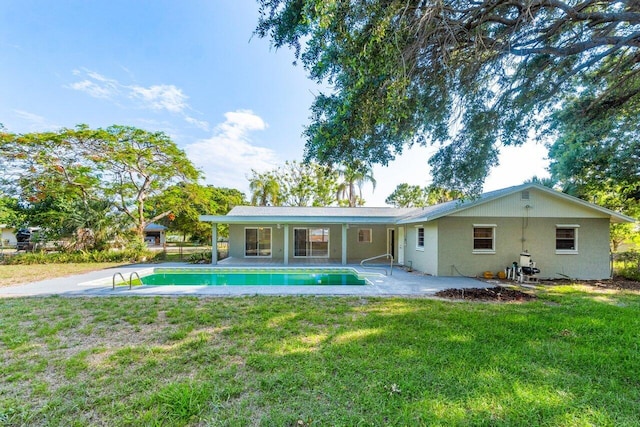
16,274
570,358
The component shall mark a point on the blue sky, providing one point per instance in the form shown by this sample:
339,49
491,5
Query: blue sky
189,68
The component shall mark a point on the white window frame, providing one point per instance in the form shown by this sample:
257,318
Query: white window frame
370,231
491,251
258,248
418,246
575,228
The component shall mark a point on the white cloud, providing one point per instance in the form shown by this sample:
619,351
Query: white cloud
228,156
160,97
34,122
163,97
204,125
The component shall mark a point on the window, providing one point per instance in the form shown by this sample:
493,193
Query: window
566,238
257,242
364,235
484,238
420,238
311,242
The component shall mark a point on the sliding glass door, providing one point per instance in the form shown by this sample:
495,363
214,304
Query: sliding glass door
257,242
311,242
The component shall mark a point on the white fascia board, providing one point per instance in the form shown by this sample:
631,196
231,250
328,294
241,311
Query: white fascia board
232,219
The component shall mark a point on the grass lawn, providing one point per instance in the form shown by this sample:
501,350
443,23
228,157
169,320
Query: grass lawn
570,358
17,274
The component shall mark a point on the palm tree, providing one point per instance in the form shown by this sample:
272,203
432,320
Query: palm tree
265,189
354,175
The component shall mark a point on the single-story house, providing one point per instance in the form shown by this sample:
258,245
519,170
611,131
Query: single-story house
565,236
155,234
7,235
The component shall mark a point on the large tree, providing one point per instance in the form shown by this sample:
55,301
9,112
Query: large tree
468,75
121,165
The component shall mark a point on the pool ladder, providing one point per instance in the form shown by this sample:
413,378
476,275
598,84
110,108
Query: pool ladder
123,279
390,273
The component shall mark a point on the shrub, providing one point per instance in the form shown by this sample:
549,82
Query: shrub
127,255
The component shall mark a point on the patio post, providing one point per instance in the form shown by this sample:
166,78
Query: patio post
214,243
286,244
344,244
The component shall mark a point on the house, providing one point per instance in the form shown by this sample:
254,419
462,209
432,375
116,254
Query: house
566,236
155,234
7,236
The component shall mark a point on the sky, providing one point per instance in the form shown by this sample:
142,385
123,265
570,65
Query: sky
192,69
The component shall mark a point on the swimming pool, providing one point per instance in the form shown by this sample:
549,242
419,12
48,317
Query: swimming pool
252,277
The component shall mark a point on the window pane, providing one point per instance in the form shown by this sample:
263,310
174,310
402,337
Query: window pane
483,238
264,243
565,239
364,235
251,242
483,232
420,237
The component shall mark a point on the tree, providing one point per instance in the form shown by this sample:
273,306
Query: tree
307,184
194,200
353,176
414,196
407,196
265,188
294,184
122,165
467,75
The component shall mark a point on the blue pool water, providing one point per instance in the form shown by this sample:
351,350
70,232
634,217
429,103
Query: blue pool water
253,277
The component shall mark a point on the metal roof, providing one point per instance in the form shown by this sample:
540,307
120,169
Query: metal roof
384,215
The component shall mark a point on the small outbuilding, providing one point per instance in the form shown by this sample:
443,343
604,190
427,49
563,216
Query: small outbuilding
155,235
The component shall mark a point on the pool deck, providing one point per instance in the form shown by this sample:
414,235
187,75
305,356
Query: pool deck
98,283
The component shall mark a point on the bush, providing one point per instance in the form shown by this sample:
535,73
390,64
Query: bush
200,258
127,255
630,261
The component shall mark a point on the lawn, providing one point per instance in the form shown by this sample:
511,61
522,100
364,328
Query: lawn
570,358
16,274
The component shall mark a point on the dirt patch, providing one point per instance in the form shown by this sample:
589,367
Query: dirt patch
497,293
617,283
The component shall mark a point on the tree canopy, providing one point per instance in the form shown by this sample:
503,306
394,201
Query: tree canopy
96,173
414,196
469,76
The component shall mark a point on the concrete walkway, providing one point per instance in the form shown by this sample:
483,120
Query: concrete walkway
99,283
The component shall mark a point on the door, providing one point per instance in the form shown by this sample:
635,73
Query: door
391,243
401,244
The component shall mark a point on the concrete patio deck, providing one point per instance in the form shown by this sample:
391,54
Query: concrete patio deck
98,283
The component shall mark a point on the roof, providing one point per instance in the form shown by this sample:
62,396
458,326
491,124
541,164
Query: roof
431,213
386,215
155,227
309,215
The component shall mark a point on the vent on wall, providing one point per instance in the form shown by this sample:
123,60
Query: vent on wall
524,195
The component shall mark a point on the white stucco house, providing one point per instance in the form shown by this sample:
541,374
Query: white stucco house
566,236
7,235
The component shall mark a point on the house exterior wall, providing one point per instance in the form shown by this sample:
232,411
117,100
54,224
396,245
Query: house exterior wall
356,251
515,235
538,205
8,237
422,259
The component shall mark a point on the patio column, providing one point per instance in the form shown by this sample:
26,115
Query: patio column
344,244
286,244
214,243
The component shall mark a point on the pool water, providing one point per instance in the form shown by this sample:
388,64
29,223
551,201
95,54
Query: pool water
246,277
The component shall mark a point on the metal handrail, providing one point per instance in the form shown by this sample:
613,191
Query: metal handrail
131,278
114,280
376,257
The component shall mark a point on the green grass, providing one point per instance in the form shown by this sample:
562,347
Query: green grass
571,358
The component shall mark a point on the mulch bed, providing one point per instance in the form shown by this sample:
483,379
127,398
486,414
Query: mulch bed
497,293
617,283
